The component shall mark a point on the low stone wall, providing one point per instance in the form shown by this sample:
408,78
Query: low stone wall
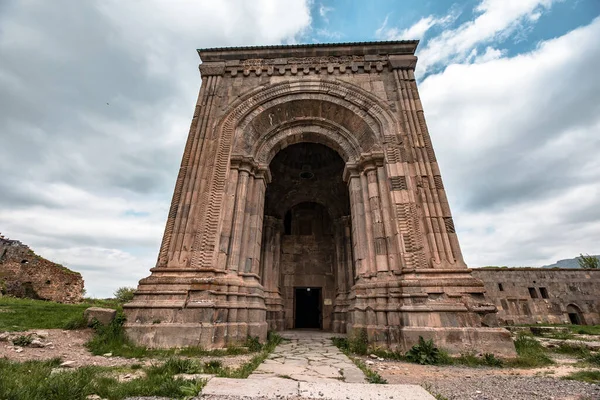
25,274
540,295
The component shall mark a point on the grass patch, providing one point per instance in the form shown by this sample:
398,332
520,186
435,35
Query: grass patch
25,314
530,353
576,350
584,376
246,369
576,329
33,380
593,359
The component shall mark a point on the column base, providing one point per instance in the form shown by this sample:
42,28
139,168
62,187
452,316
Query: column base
275,312
445,305
211,309
206,336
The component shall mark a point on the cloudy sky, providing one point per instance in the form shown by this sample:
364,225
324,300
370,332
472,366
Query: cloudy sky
96,99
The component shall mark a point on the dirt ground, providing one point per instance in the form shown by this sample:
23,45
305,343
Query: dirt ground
70,346
486,383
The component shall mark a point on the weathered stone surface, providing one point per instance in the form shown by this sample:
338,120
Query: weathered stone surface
104,315
540,295
25,274
311,167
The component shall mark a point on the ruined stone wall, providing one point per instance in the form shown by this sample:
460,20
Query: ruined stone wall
25,274
538,295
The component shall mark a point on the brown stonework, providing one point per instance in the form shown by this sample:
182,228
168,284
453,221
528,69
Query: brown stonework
310,166
543,295
25,274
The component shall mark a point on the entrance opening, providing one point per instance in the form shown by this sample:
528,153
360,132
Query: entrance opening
307,239
308,308
575,315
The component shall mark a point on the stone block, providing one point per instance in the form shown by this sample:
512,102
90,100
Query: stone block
104,315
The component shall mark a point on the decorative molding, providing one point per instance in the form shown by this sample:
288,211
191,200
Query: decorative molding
307,65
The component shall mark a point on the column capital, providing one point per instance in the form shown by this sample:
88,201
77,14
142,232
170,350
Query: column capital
248,164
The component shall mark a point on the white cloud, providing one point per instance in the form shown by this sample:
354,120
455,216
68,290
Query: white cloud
323,11
414,32
95,108
518,140
497,19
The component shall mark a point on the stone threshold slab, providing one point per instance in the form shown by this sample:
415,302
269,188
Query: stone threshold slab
279,388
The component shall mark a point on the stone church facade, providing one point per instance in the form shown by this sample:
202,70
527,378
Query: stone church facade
309,196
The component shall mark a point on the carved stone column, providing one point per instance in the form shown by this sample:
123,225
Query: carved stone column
343,271
270,271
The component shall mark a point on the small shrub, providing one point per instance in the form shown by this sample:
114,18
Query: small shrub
359,343
124,294
593,359
469,359
424,352
175,366
212,367
491,360
23,340
192,389
341,343
577,350
253,344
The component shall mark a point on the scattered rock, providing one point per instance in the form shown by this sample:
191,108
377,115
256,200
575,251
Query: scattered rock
68,364
373,356
4,336
42,334
369,362
107,355
36,343
18,349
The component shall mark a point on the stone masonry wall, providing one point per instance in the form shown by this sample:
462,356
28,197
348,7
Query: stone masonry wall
539,295
25,274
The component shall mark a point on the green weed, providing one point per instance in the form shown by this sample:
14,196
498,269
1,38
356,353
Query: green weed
23,340
576,350
530,353
585,376
426,353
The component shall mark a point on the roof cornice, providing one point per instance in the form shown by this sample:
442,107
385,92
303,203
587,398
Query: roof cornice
404,47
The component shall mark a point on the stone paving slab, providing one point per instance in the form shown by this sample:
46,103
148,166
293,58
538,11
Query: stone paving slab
309,356
363,391
282,389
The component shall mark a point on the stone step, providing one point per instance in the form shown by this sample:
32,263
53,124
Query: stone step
281,389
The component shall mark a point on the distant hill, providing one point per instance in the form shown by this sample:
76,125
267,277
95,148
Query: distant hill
568,263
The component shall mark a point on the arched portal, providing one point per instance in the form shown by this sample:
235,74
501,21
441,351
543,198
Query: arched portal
306,258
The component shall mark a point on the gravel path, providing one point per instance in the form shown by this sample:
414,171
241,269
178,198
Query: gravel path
515,388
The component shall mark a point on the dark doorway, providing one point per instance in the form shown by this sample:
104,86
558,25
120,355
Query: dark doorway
308,308
575,315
